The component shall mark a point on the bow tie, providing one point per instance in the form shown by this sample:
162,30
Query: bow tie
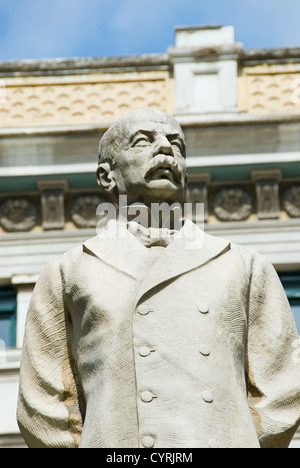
151,237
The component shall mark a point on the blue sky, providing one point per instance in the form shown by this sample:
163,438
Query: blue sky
95,28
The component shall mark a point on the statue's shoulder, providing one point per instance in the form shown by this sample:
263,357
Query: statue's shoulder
70,258
245,254
250,254
65,265
76,254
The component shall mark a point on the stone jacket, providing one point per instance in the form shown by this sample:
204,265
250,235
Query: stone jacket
195,348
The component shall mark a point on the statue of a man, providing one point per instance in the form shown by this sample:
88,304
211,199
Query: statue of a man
144,340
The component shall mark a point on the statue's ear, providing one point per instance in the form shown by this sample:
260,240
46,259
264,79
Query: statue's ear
105,177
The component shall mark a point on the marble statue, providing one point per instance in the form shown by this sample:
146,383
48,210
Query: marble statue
138,338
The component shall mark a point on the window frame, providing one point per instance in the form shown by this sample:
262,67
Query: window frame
8,311
291,284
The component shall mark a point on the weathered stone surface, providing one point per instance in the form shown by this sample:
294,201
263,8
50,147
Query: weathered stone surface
166,344
18,214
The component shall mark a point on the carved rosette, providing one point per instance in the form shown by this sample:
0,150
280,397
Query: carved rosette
291,201
83,211
17,215
232,204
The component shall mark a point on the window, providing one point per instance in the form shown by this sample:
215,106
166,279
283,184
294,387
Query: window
8,316
291,284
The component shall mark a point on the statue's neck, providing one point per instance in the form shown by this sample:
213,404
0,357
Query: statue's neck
155,215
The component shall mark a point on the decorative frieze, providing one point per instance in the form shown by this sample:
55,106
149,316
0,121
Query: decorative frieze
267,193
232,204
268,200
291,201
270,89
228,204
198,193
52,203
83,211
83,99
17,215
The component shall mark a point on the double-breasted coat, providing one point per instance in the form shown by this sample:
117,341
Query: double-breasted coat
195,348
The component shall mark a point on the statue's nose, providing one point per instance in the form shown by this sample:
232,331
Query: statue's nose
162,146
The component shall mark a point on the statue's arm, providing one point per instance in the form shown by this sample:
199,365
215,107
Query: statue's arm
48,406
273,365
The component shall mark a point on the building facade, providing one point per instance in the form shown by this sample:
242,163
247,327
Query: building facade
240,111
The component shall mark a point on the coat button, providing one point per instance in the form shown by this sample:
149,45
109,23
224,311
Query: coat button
204,350
203,307
147,397
207,396
148,442
144,351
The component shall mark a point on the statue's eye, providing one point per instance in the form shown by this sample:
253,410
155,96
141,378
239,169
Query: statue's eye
141,141
177,144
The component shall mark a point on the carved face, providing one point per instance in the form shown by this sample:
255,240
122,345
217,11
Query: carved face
150,165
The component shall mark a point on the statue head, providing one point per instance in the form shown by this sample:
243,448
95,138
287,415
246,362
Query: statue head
142,156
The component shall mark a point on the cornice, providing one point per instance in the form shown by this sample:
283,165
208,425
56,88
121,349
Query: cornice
83,65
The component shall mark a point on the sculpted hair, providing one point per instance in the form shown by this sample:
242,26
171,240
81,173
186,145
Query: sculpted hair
110,143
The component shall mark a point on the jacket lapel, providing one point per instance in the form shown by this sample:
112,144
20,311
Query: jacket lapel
116,247
183,255
124,252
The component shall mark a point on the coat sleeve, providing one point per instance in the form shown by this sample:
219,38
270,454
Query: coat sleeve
48,411
273,360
